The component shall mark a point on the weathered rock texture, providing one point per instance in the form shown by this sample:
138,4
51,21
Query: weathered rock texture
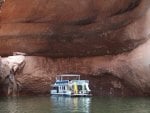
7,81
8,67
106,41
72,28
121,75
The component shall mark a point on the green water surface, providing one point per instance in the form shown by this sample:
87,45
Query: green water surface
74,105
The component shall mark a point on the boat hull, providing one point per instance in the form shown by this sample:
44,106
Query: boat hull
72,95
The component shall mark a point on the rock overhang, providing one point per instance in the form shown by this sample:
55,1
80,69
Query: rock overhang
72,29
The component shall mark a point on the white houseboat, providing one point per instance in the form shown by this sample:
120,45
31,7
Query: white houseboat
70,85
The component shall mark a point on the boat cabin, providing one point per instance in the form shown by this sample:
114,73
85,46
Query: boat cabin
70,85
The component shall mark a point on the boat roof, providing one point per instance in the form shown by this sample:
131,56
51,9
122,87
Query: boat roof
61,77
68,75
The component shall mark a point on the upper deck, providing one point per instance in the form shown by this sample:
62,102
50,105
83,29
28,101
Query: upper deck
68,77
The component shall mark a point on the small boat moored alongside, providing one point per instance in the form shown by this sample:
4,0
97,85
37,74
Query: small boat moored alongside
70,85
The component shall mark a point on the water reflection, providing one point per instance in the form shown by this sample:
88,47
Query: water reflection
67,104
120,105
74,105
8,105
12,105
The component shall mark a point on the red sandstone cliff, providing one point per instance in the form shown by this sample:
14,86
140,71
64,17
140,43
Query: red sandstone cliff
122,75
104,41
72,28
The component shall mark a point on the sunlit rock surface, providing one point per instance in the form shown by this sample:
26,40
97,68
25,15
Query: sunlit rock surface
106,41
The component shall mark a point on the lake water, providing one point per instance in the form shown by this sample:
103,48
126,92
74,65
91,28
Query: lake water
74,105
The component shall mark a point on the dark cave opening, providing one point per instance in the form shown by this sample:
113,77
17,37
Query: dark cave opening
109,85
2,90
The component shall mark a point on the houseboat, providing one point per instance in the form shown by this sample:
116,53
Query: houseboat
70,85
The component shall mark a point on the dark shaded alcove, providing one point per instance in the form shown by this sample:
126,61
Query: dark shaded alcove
107,84
2,90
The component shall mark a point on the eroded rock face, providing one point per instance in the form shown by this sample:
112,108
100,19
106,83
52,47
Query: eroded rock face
76,31
72,28
8,67
122,75
4,78
1,3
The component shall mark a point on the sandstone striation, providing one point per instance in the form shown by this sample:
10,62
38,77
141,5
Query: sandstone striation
72,28
106,41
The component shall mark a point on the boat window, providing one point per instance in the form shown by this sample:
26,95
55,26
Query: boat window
79,87
59,87
69,87
63,87
84,87
55,88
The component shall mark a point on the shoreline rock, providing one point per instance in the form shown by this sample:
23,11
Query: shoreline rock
8,68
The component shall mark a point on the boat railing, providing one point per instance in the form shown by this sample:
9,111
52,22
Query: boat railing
68,76
80,81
